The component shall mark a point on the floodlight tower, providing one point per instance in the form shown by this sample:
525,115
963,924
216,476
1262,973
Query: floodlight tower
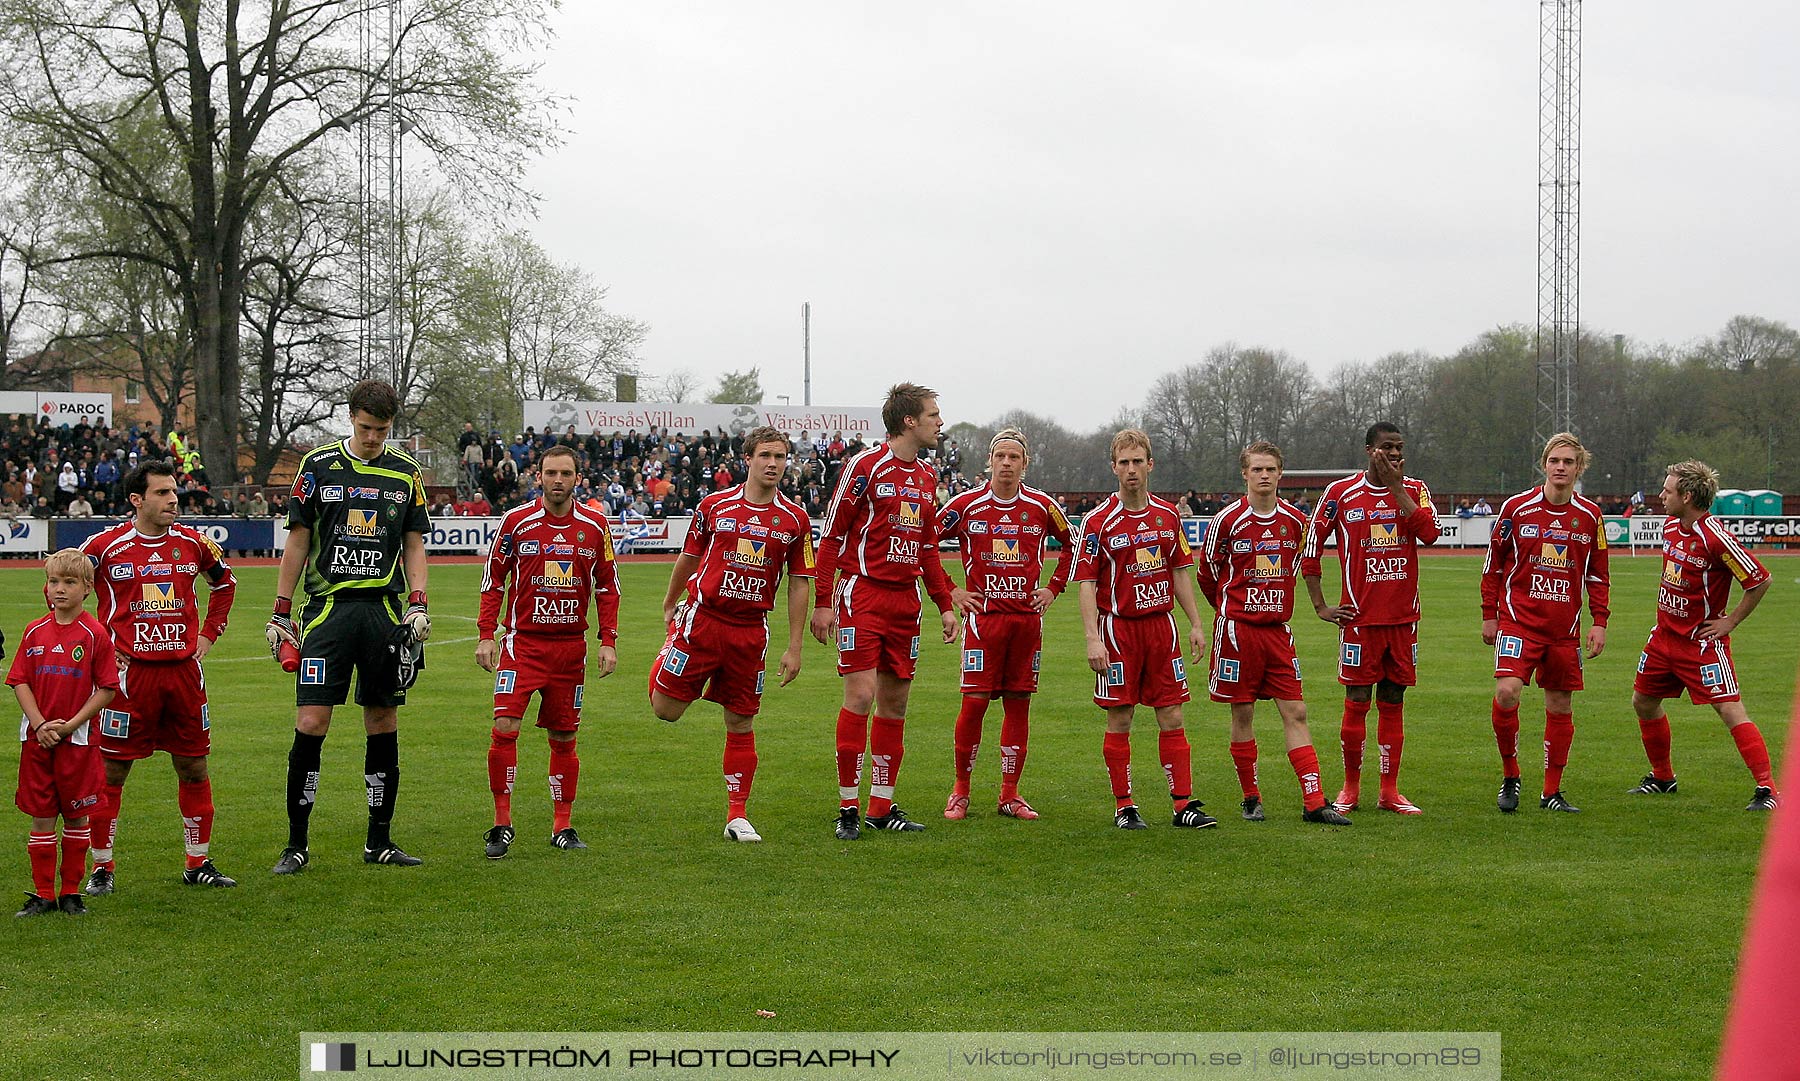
381,192
1559,213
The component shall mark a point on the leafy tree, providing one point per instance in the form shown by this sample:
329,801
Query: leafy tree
739,388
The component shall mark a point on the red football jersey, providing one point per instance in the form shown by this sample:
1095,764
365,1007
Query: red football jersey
145,589
742,548
883,525
1698,567
63,665
1379,550
1249,561
1004,544
556,565
1132,556
1540,558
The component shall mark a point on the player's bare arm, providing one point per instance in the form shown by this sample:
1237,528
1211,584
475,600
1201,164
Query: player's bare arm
1596,640
684,569
964,600
1042,598
1341,615
824,625
1390,473
1725,624
1490,632
947,619
487,654
606,660
1090,624
1184,596
280,627
799,590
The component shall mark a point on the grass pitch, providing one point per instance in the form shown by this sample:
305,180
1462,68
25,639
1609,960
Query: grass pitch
1600,944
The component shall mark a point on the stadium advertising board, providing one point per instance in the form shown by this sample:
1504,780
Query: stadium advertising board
61,408
230,534
1645,530
474,536
692,418
25,535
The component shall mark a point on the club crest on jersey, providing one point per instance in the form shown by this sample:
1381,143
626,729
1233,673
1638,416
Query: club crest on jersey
1554,555
78,652
360,523
1006,550
1384,534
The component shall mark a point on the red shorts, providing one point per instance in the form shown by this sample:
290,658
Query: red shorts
1369,655
1144,665
1001,651
62,780
878,627
161,706
704,653
1670,664
1518,654
555,667
1252,661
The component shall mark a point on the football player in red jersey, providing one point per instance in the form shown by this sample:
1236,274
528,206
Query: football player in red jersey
881,534
1548,545
145,570
558,555
1691,645
1246,570
740,541
1380,517
1128,570
1003,529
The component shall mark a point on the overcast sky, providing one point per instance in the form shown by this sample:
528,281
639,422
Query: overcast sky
1044,205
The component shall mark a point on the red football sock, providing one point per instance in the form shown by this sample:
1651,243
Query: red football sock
852,737
1115,748
887,747
740,771
1657,743
1177,763
968,739
1243,757
1305,761
1559,732
565,775
1390,738
503,773
1506,735
74,857
1015,732
196,804
42,847
1750,744
104,824
1353,732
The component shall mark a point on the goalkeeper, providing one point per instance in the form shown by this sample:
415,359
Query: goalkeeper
356,530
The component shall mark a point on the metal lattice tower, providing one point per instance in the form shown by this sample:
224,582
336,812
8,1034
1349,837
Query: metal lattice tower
381,193
1559,213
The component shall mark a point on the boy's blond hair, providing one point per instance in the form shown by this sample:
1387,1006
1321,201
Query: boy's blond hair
1128,438
1583,458
71,563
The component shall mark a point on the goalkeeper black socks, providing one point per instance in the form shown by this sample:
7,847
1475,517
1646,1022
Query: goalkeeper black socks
302,785
381,776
